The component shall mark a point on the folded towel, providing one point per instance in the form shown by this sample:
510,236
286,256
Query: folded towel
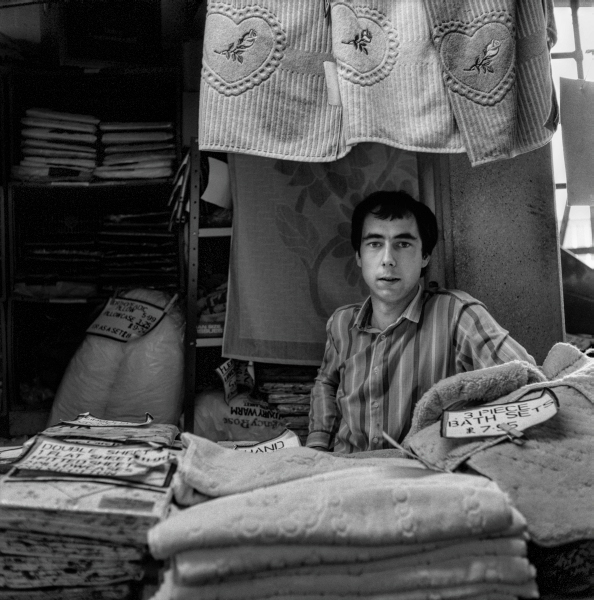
200,566
482,385
380,505
552,470
392,587
213,470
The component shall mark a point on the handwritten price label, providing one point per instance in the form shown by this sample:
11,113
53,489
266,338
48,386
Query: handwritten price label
123,319
488,419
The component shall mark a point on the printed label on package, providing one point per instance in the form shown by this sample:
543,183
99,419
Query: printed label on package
229,378
55,456
123,319
536,407
88,420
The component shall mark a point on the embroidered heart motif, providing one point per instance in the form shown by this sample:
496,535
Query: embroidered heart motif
242,47
479,62
364,43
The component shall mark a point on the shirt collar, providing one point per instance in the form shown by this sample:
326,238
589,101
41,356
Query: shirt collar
412,312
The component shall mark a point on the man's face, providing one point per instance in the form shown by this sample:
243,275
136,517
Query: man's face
391,260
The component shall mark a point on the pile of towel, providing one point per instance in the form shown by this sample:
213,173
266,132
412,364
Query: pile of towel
57,145
136,150
549,478
299,523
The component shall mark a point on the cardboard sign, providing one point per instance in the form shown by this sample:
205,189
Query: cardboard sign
288,439
88,420
535,407
58,458
229,378
123,319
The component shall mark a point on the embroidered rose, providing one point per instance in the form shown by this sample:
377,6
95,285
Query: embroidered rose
361,40
482,63
235,50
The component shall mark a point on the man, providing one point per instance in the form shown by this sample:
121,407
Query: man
382,355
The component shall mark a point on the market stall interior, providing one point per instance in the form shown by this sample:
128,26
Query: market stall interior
206,391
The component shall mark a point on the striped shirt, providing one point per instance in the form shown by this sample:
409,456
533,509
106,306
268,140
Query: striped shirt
370,380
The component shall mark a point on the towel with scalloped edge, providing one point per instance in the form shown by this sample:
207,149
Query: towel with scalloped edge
264,84
552,471
496,66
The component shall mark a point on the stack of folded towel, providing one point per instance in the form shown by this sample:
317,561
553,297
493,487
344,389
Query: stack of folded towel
57,145
300,523
136,150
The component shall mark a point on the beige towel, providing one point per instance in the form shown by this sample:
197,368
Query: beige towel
365,505
421,75
212,470
551,474
263,81
478,581
203,565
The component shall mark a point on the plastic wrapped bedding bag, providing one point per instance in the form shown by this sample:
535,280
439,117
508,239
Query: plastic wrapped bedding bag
242,420
122,381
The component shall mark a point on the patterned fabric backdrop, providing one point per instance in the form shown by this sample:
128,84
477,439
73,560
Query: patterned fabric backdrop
292,263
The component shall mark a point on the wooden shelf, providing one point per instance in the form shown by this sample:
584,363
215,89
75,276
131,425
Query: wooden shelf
209,342
214,232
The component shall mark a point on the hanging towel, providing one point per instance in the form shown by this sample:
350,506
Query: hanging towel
421,75
263,81
390,77
306,264
496,66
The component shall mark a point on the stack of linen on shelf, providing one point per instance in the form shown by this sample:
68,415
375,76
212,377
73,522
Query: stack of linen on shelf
287,389
138,249
136,150
307,524
57,146
76,507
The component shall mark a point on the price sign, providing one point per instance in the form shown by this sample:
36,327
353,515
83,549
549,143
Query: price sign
124,319
536,407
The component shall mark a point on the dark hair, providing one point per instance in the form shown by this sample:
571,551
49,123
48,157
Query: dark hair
395,205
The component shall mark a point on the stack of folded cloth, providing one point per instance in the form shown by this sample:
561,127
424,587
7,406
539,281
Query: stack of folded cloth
288,391
136,150
57,146
70,536
306,524
212,307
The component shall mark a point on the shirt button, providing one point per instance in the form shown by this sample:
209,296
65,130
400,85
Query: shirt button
382,337
374,405
375,440
376,370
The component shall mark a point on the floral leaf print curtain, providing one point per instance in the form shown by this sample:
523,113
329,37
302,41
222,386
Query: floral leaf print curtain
292,263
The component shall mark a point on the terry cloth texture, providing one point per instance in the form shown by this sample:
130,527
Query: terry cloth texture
263,82
212,470
304,524
306,264
278,81
551,474
370,531
357,506
496,67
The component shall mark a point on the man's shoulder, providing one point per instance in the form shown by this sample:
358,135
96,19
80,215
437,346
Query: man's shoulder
454,297
347,311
